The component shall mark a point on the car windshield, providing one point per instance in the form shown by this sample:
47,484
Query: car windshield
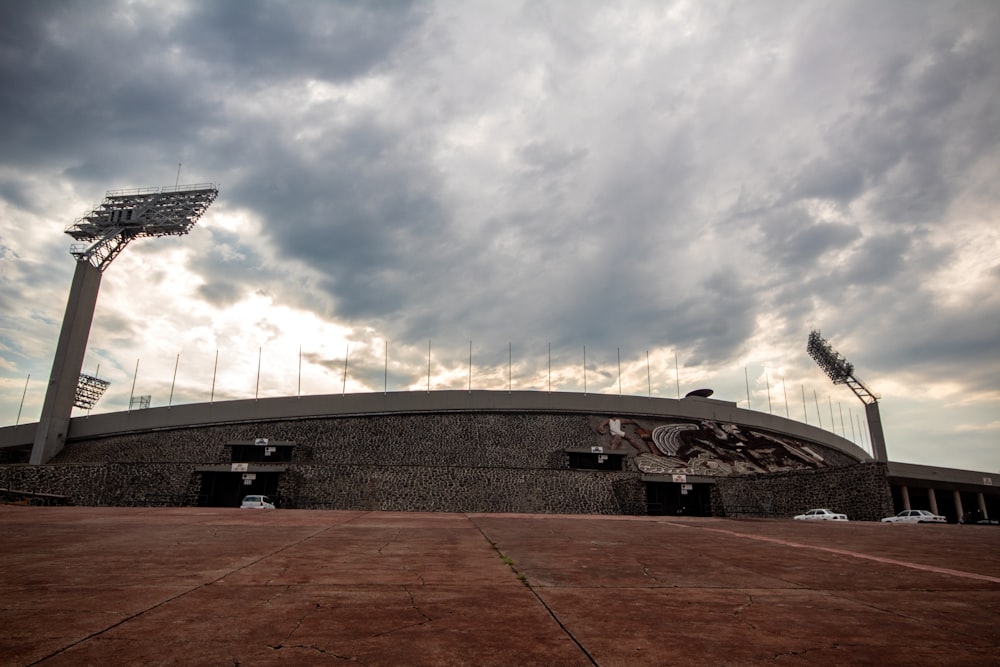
252,499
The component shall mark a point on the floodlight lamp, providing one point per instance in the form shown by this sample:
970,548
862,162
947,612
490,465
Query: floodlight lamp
839,369
89,390
128,214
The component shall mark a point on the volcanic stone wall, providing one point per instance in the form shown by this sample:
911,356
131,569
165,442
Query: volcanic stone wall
472,462
860,491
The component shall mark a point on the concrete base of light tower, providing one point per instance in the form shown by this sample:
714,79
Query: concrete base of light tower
875,431
53,424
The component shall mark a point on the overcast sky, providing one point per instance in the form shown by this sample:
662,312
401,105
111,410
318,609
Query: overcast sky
690,186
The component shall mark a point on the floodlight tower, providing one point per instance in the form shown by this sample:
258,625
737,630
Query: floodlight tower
103,233
841,371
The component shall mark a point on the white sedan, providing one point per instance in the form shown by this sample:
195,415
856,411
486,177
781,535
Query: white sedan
821,515
257,503
915,516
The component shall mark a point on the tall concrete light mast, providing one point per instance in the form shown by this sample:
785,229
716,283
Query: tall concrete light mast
103,233
841,371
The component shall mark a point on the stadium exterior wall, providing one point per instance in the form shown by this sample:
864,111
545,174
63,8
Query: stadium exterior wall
474,451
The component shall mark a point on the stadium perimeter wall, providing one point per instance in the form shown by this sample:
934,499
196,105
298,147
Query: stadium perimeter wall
437,451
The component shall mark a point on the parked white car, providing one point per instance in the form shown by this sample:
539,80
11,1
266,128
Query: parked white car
821,515
915,516
257,503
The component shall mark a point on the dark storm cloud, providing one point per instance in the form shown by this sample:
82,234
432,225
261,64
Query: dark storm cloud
259,40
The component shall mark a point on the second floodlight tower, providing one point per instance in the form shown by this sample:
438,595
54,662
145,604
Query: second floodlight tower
101,235
841,371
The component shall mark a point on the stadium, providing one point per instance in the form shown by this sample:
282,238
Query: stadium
448,451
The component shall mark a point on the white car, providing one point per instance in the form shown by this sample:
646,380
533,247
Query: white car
915,516
257,503
821,515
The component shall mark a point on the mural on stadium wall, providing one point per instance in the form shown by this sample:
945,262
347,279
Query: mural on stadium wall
710,448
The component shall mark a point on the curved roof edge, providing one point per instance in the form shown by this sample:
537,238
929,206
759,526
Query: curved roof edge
410,402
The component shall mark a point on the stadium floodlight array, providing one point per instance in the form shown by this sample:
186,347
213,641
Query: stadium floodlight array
128,214
102,234
841,371
89,390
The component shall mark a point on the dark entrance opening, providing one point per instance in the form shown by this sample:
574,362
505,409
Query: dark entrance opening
226,489
595,461
671,499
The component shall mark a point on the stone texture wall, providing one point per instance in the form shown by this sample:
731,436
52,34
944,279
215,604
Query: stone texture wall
463,462
420,488
460,462
860,491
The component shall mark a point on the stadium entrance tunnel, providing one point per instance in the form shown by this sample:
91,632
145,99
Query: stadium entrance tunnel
672,499
226,489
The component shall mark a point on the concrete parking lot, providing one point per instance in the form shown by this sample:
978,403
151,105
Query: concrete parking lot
200,586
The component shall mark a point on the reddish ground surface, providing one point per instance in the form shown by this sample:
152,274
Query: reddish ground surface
103,586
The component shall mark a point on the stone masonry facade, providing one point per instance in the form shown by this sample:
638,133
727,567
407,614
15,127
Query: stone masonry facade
861,491
452,462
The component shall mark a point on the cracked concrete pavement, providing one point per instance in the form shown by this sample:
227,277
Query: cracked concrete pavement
213,586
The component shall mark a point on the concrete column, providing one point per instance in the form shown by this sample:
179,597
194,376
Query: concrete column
958,505
982,504
53,425
933,499
906,497
875,431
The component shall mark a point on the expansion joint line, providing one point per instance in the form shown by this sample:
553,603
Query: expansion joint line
100,632
845,552
534,593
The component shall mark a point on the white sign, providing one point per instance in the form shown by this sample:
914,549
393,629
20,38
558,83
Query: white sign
249,475
687,487
680,479
988,481
240,467
260,442
597,450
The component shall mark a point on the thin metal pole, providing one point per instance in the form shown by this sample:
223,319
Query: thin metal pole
550,367
256,391
470,366
784,390
510,359
178,179
818,415
767,382
854,435
170,401
347,353
215,370
619,371
746,376
385,377
23,394
584,370
134,376
299,394
804,413
677,375
841,409
649,378
428,365
833,422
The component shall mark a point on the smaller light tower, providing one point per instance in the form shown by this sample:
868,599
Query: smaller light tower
841,371
104,232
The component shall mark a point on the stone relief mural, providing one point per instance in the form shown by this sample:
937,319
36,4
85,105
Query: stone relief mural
710,448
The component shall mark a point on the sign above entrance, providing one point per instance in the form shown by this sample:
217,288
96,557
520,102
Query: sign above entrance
240,467
679,479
